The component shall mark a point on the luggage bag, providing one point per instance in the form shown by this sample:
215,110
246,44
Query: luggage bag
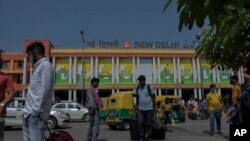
134,129
59,135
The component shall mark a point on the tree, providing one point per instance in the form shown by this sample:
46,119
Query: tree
226,40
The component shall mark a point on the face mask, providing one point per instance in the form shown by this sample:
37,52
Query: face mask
231,82
95,85
213,90
142,84
32,59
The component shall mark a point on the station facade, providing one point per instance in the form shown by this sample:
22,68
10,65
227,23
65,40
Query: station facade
169,71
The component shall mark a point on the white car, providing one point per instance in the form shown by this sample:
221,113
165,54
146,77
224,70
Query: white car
14,115
75,110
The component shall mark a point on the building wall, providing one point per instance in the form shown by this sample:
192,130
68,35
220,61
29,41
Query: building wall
171,71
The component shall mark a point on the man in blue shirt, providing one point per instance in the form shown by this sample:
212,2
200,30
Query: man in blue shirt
145,103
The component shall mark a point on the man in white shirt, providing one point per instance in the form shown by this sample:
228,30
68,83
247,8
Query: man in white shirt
39,95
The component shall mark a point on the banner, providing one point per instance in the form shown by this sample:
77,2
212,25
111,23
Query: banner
186,71
225,76
166,71
105,70
206,72
86,71
125,71
62,71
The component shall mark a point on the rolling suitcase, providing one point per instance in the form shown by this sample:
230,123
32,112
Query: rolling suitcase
134,129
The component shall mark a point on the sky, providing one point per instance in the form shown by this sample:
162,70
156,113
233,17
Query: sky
61,21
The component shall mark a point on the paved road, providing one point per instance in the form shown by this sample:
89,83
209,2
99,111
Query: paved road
189,131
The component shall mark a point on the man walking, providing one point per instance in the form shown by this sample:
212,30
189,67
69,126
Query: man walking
215,106
145,103
94,103
39,95
7,93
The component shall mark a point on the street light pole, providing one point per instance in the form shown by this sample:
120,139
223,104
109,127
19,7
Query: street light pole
83,41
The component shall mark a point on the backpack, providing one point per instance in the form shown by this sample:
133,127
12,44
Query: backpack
149,90
137,94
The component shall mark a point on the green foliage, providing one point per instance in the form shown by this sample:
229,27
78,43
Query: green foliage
226,40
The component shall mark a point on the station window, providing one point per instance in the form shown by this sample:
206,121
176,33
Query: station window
5,65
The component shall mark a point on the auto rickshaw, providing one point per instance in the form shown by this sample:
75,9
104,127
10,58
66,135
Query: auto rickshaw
103,110
120,110
178,108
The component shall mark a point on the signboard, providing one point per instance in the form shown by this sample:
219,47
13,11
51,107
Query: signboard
186,71
62,71
166,71
225,76
206,72
125,71
105,70
86,70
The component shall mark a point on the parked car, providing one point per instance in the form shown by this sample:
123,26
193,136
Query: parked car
14,115
75,110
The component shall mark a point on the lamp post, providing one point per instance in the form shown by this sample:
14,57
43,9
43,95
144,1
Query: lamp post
197,36
82,79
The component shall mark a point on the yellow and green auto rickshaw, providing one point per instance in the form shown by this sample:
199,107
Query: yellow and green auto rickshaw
178,113
120,110
103,110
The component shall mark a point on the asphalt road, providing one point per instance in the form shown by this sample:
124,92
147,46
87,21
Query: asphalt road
191,130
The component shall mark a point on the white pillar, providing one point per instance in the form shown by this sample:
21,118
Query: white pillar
219,90
75,70
194,70
75,78
96,66
179,70
159,71
70,70
113,91
218,74
134,72
214,75
138,66
242,75
175,71
24,74
74,95
180,92
154,71
239,76
113,70
92,67
117,70
175,92
199,92
199,70
54,65
70,95
159,91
